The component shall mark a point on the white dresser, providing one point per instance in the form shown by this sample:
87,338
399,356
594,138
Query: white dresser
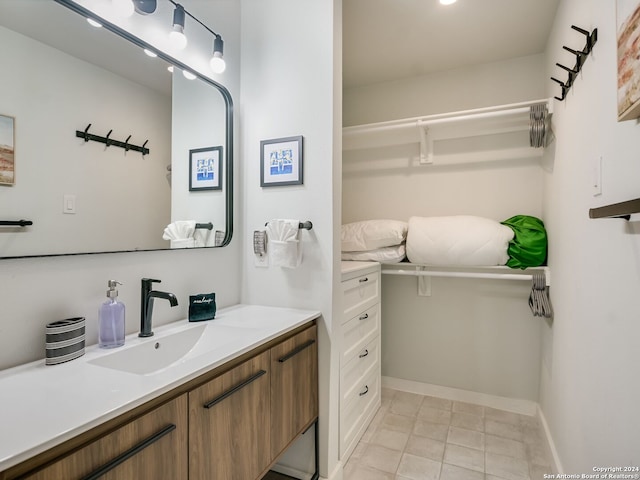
359,352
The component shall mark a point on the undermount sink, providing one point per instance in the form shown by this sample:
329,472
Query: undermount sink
155,353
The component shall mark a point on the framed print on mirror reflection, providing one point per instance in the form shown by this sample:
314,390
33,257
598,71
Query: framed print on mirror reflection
205,169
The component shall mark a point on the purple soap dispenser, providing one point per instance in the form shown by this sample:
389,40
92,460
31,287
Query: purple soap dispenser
111,319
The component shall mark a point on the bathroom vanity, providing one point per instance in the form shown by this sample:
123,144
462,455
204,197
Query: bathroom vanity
228,411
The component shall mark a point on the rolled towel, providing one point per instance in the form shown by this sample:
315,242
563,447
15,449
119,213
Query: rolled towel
180,233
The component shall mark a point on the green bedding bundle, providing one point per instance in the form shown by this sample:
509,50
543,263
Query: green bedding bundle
529,245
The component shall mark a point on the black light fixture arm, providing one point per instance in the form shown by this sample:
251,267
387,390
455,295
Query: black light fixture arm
217,35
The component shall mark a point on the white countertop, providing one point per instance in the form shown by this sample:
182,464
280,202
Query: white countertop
44,405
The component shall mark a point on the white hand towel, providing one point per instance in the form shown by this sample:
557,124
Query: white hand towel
284,248
180,233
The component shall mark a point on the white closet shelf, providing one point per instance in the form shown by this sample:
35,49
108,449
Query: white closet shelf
498,122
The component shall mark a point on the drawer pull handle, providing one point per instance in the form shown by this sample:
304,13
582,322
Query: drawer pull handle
129,453
240,386
362,355
365,391
363,317
296,351
365,279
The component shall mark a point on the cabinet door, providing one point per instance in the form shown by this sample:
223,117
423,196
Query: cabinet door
294,388
229,424
153,447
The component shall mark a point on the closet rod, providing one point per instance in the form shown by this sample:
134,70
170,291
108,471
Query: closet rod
477,114
492,276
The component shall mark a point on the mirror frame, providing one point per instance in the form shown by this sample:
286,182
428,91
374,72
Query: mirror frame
228,151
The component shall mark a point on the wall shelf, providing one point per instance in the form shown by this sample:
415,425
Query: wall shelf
616,210
469,124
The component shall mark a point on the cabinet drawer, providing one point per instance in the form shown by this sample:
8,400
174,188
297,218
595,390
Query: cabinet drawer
152,447
355,414
354,373
229,423
359,331
359,293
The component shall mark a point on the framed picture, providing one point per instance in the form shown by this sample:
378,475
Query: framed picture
205,168
7,150
281,162
628,33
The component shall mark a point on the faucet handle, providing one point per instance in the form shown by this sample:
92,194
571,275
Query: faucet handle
148,281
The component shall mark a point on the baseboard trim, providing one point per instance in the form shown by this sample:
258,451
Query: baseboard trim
515,405
552,446
336,474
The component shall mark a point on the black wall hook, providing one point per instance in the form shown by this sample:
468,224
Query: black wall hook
580,55
111,142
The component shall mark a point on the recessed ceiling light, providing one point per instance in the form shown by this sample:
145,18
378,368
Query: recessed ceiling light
448,2
188,75
150,53
93,23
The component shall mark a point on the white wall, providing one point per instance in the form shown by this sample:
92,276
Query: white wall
288,74
52,162
590,368
34,292
469,334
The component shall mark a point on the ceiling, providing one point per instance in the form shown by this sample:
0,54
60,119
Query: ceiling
385,40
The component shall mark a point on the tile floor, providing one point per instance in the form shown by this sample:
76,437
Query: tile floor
427,438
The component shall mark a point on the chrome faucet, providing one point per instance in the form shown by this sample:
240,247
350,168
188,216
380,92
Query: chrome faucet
146,305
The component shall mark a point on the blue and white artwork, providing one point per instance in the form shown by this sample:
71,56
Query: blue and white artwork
205,169
281,161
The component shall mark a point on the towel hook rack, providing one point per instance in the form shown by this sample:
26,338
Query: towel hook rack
108,141
15,223
581,55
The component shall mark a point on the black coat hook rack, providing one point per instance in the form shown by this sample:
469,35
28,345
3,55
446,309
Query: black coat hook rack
581,56
15,223
111,142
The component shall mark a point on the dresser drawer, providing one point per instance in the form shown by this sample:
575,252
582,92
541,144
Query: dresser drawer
359,331
356,371
359,293
356,415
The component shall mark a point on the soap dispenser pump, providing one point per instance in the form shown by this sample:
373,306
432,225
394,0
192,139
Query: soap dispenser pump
111,319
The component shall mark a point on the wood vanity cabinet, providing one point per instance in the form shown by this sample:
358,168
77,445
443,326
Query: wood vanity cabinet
229,424
294,388
153,447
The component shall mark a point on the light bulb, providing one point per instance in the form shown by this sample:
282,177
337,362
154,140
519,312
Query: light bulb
93,23
178,39
217,63
188,75
170,68
123,8
448,2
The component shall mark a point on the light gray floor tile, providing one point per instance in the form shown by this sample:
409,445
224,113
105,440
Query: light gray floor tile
466,438
418,468
432,430
425,447
361,472
538,454
507,430
502,416
537,472
505,467
406,404
390,439
399,423
505,446
451,472
468,421
358,451
435,415
462,407
435,402
464,457
381,458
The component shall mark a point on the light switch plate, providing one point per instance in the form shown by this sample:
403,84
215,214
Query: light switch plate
69,204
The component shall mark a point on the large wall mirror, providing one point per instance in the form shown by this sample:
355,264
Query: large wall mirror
60,75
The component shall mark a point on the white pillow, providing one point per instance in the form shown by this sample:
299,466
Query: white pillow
458,240
383,255
372,234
